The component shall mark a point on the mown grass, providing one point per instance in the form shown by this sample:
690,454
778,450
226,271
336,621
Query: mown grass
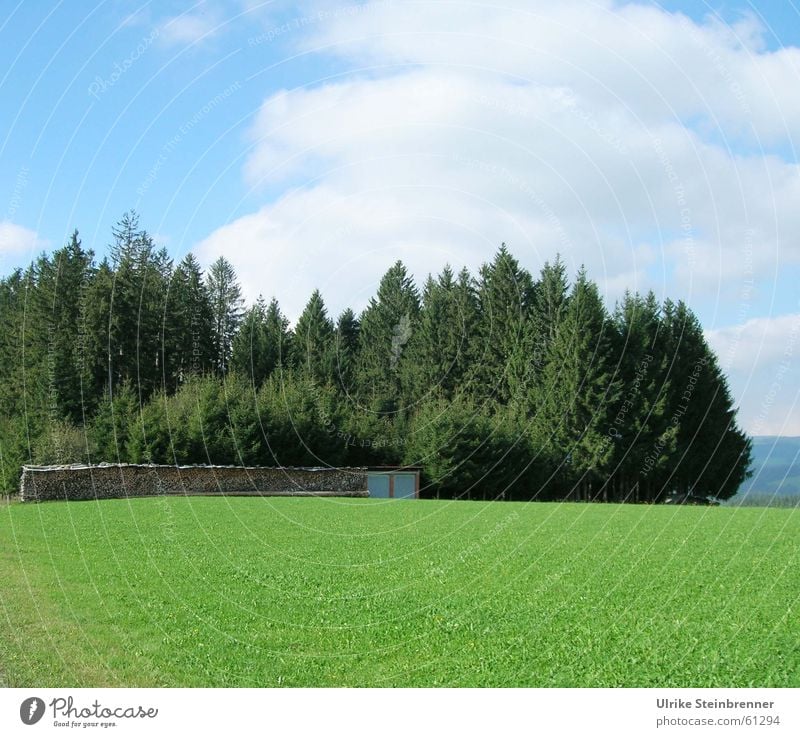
316,592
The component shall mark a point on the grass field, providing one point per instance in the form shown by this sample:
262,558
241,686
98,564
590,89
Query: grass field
316,592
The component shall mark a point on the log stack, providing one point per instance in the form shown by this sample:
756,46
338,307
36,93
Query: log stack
125,480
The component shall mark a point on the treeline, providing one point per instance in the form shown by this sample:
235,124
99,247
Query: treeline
500,385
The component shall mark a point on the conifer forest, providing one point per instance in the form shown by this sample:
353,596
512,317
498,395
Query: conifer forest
500,384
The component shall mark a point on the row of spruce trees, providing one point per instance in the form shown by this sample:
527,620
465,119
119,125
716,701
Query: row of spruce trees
499,385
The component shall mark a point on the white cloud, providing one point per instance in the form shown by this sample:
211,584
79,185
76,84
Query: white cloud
759,341
762,359
654,149
453,164
190,27
16,240
656,64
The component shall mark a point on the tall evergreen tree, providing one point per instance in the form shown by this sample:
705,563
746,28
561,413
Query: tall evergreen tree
466,315
313,346
12,307
505,293
639,431
549,305
250,354
578,389
96,321
56,326
443,346
712,455
346,348
387,325
425,373
263,343
279,338
126,239
141,277
188,343
226,305
15,429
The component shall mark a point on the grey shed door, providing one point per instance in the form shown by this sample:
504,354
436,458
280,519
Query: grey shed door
405,486
378,485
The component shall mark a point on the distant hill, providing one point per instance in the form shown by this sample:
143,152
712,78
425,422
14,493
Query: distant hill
776,467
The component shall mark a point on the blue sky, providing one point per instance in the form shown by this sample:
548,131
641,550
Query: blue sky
780,18
314,143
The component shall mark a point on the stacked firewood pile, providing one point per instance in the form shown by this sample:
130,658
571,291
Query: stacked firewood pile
115,481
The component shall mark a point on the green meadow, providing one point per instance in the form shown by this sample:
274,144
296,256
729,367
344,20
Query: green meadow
220,592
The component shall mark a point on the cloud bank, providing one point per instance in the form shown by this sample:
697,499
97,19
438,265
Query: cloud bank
654,149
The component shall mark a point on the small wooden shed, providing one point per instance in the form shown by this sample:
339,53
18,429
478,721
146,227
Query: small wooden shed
393,482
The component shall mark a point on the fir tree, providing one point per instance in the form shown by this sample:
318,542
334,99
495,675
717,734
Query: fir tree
313,345
12,308
640,432
226,307
60,290
505,293
96,322
250,349
113,423
279,339
345,351
548,307
188,342
137,304
387,325
263,344
443,345
712,455
577,391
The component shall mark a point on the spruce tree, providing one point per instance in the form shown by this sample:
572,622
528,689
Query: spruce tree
505,293
96,322
263,343
429,369
149,439
345,351
298,418
250,349
712,455
548,307
208,437
313,345
577,391
188,347
130,252
444,344
141,277
61,282
226,307
279,339
15,430
464,314
113,424
639,431
12,308
387,325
